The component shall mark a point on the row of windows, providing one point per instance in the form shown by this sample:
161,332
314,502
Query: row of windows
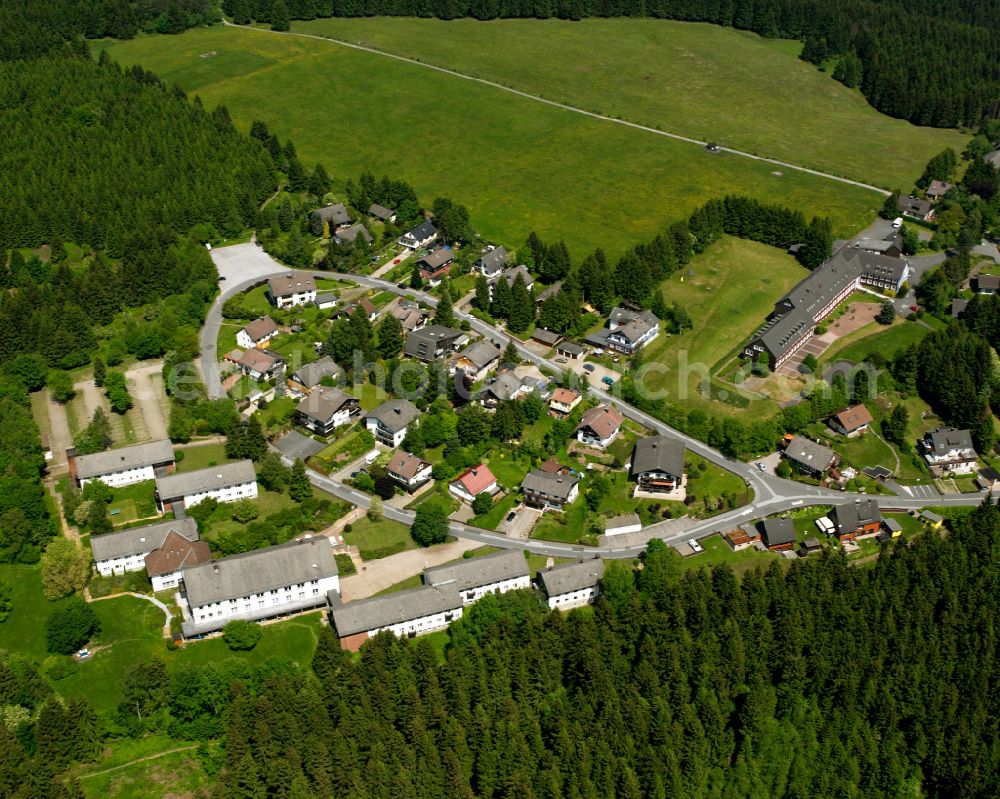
248,606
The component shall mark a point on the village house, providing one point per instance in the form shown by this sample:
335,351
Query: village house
257,333
937,190
623,524
599,426
572,585
958,305
856,519
491,263
258,365
657,464
408,470
122,466
571,350
390,420
916,208
629,330
311,375
228,482
547,292
510,275
349,235
435,265
432,342
547,337
363,304
332,216
474,578
548,490
409,313
325,409
505,386
949,451
262,584
473,482
325,300
166,563
852,421
564,400
419,236
405,614
743,537
779,534
290,290
986,284
126,550
809,457
478,359
381,213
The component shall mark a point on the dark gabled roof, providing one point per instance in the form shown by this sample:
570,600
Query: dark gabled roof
571,577
945,439
852,515
123,458
658,454
311,374
211,478
395,414
958,305
351,234
987,282
137,540
493,261
554,485
422,231
324,402
481,354
808,453
333,214
437,260
779,531
914,206
380,212
544,336
570,347
477,572
397,608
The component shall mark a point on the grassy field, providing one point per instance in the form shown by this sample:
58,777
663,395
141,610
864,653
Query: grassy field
202,456
698,80
173,771
727,291
24,630
887,340
379,539
567,176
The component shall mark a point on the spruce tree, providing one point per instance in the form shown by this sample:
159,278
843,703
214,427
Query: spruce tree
279,16
444,313
299,487
522,307
482,300
100,370
390,337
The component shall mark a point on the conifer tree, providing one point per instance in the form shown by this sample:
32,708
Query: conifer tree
299,487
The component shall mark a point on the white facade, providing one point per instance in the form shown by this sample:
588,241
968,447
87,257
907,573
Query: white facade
231,493
425,624
128,563
593,441
123,478
295,298
470,595
244,340
416,481
161,582
287,599
383,433
574,599
458,490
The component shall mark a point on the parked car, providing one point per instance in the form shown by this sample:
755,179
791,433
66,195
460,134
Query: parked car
560,360
693,543
607,380
511,516
396,261
401,285
760,466
83,654
588,367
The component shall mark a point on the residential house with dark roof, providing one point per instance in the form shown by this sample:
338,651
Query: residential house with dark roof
381,213
958,305
333,216
349,235
497,573
937,190
809,457
547,293
916,208
505,386
409,313
290,290
851,421
257,364
547,337
227,482
310,376
949,451
779,534
657,464
262,584
390,421
325,409
473,482
124,465
257,333
478,359
548,490
408,470
986,284
491,263
435,265
126,550
432,342
510,274
572,585
886,247
599,426
419,236
856,519
629,331
570,349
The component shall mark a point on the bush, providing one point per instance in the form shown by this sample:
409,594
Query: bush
203,510
430,525
241,636
70,627
345,565
59,667
245,510
482,504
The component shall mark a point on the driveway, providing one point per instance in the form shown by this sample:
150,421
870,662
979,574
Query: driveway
150,398
295,445
522,524
391,264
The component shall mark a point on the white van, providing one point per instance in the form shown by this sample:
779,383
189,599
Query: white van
897,223
370,457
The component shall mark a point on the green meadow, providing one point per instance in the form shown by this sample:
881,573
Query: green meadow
518,164
694,79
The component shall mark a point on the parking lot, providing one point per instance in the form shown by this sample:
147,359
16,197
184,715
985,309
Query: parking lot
522,524
241,262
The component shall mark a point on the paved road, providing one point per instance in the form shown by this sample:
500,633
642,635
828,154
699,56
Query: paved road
771,494
565,107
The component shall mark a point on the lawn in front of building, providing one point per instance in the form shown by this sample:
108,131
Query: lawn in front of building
379,539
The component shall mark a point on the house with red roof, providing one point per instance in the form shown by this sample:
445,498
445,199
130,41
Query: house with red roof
473,482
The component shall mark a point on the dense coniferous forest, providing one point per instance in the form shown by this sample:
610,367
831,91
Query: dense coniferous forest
931,63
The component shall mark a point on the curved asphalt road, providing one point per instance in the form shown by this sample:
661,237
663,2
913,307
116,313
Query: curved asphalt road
771,494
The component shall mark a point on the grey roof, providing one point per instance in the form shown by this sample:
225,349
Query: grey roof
622,520
882,267
437,260
139,540
510,275
874,245
423,231
324,402
570,347
548,291
958,305
310,374
632,325
395,414
380,212
930,516
326,298
546,336
333,214
260,570
118,460
938,188
553,485
351,234
481,354
424,343
209,479
507,564
658,454
293,283
807,452
779,531
851,515
987,282
892,525
396,608
571,576
914,206
504,386
945,439
492,262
